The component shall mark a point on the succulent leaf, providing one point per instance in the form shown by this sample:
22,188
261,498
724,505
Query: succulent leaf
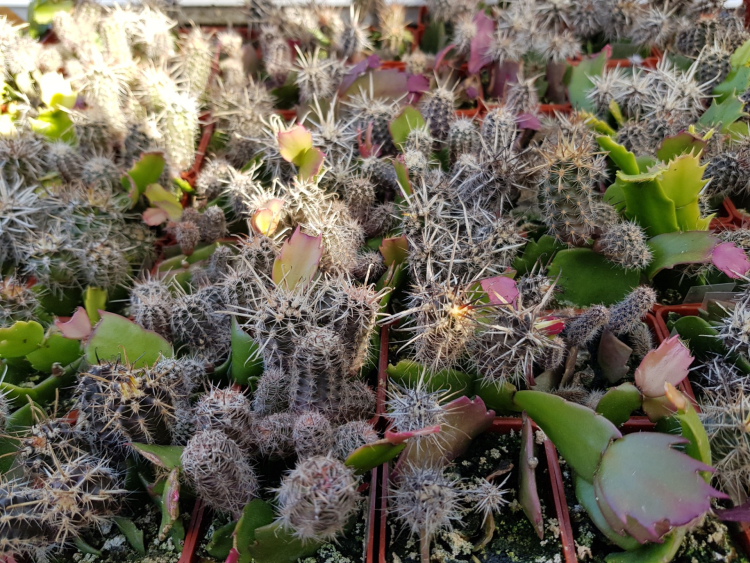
582,451
114,336
631,492
298,260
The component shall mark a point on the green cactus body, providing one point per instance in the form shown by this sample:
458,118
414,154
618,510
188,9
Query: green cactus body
568,191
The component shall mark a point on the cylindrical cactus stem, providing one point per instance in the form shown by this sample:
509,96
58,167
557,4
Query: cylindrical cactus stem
219,471
439,110
272,393
587,326
627,314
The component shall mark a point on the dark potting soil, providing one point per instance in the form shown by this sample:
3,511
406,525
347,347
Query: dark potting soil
708,543
115,548
514,539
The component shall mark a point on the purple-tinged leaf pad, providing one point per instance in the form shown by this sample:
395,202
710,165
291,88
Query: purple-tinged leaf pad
646,488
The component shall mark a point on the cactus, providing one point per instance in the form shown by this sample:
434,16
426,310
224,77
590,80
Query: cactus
214,176
197,322
151,304
103,261
626,315
196,57
727,171
438,109
126,405
22,532
319,360
101,172
733,328
426,500
65,159
352,435
507,348
312,435
77,494
217,468
444,323
713,65
568,193
415,408
317,498
356,402
625,244
272,393
372,117
316,76
227,410
273,435
586,327
463,138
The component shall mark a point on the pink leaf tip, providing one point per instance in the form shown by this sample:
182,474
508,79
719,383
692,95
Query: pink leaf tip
78,327
730,259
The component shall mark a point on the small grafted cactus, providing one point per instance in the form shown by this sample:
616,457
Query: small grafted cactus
625,316
728,172
317,498
181,129
713,65
414,408
197,322
499,130
426,500
64,158
625,244
507,348
77,495
318,364
219,471
126,405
